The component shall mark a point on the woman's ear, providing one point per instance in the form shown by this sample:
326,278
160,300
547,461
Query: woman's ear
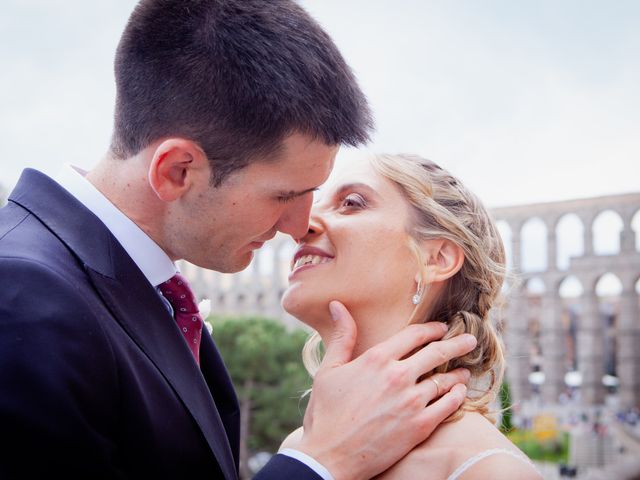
176,165
443,259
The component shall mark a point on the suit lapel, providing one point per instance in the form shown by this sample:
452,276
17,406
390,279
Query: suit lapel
133,301
215,374
139,310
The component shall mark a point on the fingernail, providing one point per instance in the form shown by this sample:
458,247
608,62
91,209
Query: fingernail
445,326
471,340
460,388
334,311
467,374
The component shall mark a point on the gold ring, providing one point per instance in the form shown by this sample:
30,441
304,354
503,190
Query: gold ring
437,386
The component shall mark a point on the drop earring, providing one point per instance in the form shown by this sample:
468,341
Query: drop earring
418,296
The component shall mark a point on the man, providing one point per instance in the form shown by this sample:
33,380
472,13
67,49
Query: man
228,116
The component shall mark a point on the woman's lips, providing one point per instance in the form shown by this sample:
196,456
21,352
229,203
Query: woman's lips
307,262
308,256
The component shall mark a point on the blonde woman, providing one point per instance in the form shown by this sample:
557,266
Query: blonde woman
399,240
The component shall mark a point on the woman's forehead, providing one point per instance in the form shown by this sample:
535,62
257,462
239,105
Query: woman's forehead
354,170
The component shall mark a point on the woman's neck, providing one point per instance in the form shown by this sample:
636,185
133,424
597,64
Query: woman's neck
375,324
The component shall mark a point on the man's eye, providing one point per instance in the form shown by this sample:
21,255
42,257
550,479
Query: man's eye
286,199
354,200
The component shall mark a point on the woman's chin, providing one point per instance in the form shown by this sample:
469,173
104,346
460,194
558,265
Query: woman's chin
309,309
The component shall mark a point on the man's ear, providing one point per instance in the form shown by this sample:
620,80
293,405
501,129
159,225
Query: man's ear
443,259
176,165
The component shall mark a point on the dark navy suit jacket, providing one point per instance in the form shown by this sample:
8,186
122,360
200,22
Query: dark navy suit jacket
95,378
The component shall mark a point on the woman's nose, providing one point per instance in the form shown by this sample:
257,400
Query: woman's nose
315,225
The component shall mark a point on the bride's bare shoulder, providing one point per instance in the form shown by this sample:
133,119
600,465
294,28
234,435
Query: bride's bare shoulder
473,432
293,439
501,467
453,443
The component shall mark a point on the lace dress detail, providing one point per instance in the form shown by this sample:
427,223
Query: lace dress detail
487,453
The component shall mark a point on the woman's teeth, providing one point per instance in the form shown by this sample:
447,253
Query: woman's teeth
310,260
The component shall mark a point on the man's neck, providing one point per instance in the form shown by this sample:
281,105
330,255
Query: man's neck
124,183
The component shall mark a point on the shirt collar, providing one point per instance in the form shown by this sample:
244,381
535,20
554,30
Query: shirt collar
154,263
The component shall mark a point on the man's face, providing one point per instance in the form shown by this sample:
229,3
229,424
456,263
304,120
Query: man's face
219,227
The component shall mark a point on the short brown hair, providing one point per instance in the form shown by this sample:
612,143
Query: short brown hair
236,77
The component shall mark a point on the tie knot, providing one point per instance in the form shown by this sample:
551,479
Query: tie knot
179,294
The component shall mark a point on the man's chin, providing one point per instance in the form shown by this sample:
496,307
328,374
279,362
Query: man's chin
236,264
229,264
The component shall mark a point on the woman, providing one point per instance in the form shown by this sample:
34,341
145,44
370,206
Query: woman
399,240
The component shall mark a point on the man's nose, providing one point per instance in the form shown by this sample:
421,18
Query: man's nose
295,219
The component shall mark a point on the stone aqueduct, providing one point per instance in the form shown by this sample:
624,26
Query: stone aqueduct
584,312
543,329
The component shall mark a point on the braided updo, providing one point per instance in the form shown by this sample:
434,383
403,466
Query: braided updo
444,208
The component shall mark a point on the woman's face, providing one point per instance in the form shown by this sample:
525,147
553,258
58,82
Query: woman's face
356,250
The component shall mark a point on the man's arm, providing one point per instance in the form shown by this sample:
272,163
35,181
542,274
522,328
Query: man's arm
366,414
55,412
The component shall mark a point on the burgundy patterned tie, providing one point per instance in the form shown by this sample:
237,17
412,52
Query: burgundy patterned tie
185,309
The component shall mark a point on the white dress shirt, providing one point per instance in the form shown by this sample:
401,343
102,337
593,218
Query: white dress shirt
154,263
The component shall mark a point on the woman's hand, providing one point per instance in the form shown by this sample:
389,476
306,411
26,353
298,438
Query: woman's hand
367,413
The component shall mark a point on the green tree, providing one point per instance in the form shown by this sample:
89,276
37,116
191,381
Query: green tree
505,405
263,359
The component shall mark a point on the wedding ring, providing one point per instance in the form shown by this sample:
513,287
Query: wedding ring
437,386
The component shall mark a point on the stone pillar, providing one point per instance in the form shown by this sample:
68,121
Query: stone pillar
588,235
273,296
627,236
516,247
231,301
199,283
553,346
628,348
590,350
255,266
518,348
552,249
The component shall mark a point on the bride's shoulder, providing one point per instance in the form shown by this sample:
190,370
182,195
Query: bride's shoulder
497,464
470,448
293,439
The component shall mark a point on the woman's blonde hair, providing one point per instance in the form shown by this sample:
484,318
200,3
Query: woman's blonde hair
443,208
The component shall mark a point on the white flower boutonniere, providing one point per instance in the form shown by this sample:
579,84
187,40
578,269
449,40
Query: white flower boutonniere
204,307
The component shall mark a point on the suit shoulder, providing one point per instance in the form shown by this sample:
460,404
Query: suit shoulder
33,278
11,216
47,308
23,235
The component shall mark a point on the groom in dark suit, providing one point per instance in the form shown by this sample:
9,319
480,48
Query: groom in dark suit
228,116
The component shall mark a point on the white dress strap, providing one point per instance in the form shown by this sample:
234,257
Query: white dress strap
482,455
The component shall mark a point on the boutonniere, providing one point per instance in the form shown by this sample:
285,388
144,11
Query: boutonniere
204,307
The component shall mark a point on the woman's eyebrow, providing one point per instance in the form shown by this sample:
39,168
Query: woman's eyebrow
355,186
337,191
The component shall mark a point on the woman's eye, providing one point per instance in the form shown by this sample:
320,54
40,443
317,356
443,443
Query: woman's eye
354,200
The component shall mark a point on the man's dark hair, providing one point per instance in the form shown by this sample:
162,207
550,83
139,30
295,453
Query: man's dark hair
235,76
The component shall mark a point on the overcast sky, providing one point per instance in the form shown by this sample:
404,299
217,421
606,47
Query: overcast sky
525,101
